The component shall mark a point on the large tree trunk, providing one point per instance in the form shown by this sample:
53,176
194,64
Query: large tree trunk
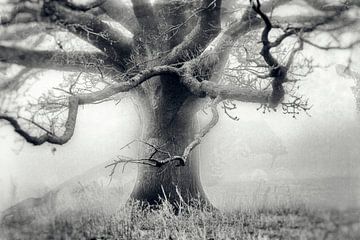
171,128
170,181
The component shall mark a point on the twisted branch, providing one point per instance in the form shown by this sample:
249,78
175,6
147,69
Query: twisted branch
48,137
155,162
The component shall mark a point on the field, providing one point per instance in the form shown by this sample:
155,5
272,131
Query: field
132,222
268,212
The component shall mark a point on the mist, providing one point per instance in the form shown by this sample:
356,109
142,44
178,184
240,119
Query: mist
321,146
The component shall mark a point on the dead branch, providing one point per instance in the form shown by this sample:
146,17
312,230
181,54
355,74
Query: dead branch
181,160
214,120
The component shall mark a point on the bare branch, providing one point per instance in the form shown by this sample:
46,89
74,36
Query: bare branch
294,107
206,29
21,31
329,47
214,120
15,81
128,85
84,6
48,137
87,98
100,34
121,13
25,12
145,15
277,71
228,106
59,60
151,161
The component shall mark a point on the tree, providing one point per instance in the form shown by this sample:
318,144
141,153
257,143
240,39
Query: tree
346,72
169,58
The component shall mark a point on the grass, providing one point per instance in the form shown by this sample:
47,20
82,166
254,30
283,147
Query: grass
135,222
94,212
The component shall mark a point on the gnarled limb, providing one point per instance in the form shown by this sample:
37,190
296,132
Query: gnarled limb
21,31
25,12
206,30
100,34
58,60
15,81
292,25
86,98
128,85
145,15
335,6
48,136
155,162
201,89
212,90
84,6
121,13
214,120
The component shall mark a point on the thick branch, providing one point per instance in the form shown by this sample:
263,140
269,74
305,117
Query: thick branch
292,24
128,85
214,120
21,31
212,90
265,51
21,12
200,89
85,6
181,160
145,15
87,98
121,13
206,29
336,6
48,137
100,34
14,82
58,60
151,161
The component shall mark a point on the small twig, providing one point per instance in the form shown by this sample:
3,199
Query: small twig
229,106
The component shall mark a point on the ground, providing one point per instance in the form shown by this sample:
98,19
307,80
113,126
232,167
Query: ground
282,209
133,222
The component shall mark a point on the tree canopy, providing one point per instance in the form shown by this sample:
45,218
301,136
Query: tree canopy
219,51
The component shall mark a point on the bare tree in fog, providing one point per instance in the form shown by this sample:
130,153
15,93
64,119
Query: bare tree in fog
347,72
181,57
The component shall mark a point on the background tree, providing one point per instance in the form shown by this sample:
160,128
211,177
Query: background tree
169,58
347,72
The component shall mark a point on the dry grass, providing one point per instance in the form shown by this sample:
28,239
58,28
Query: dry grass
94,212
135,222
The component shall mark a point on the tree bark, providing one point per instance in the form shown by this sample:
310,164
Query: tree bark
170,128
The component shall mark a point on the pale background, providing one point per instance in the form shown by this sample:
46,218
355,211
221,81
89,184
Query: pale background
327,144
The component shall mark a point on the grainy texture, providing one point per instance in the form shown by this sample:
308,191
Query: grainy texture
133,222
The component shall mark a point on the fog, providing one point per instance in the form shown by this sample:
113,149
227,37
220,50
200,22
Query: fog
325,144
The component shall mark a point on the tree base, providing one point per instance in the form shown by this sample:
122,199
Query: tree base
176,185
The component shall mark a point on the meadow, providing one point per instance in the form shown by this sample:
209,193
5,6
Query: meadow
133,222
95,212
